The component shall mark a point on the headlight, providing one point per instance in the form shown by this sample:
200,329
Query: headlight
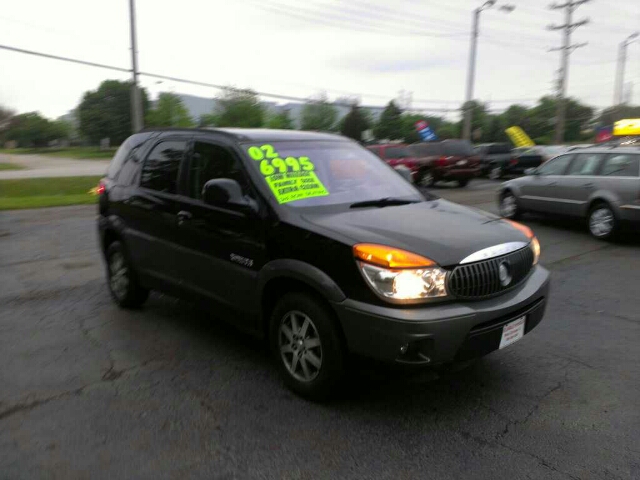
388,273
535,248
534,244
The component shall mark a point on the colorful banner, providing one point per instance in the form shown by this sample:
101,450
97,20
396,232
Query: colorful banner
425,132
627,126
519,138
604,134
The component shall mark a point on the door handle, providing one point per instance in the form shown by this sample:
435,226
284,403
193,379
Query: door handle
588,185
183,216
552,184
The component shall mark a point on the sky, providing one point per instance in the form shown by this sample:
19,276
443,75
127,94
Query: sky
370,49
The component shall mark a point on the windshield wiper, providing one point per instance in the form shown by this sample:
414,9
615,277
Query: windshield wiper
383,202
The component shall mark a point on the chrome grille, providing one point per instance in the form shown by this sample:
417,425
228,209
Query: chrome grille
482,279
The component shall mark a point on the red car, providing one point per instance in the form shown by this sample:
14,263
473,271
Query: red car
445,160
396,154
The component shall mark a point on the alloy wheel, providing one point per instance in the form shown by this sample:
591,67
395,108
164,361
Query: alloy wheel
118,274
601,222
300,346
495,173
508,206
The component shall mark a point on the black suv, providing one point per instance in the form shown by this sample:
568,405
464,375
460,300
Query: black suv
317,244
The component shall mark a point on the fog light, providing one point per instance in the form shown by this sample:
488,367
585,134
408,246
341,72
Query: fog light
404,349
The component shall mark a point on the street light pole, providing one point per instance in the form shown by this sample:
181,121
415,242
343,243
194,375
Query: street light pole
618,95
471,69
137,123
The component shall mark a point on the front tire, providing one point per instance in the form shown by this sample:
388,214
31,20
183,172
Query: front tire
307,346
463,182
426,179
122,280
602,222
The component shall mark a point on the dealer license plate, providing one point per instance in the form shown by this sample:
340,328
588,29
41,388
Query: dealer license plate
512,332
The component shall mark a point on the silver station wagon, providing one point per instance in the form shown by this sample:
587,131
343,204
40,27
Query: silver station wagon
600,184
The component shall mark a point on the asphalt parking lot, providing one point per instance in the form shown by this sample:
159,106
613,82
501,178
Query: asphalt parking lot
91,391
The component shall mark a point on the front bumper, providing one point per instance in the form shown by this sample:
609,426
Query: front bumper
441,333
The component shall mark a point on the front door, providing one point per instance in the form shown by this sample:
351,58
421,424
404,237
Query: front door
151,235
224,247
541,193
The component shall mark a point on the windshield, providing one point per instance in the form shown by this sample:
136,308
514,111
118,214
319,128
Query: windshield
316,173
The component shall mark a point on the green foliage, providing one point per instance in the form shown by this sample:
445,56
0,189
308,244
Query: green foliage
208,120
612,114
169,111
280,121
478,119
238,108
319,115
390,126
33,130
354,123
46,192
448,130
106,112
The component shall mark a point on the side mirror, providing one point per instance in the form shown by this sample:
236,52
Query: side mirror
531,171
223,192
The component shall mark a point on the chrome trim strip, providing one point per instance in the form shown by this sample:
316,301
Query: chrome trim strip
634,207
549,199
495,251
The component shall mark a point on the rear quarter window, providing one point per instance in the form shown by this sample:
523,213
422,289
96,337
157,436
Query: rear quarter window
621,165
118,159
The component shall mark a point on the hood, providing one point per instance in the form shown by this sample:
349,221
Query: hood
440,230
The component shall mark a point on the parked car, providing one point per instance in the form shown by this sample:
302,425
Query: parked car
528,157
445,160
552,151
599,184
396,154
308,240
496,159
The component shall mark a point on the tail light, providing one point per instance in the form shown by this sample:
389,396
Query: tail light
100,189
514,161
442,161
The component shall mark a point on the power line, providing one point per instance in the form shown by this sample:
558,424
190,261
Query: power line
64,59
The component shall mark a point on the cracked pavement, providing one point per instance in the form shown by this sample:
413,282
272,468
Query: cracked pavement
91,391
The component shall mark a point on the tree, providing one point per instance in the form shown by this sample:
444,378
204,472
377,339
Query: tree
390,126
169,111
612,114
281,121
5,115
238,108
33,130
106,112
494,129
541,120
354,123
318,114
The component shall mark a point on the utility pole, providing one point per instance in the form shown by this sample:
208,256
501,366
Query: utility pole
471,72
566,49
618,94
137,123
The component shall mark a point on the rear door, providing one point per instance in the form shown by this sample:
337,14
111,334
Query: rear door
152,208
540,193
619,175
223,247
576,187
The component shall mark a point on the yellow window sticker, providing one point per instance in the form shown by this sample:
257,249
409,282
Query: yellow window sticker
290,178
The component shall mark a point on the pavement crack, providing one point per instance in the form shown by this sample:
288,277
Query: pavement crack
25,407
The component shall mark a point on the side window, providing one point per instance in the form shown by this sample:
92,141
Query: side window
556,166
211,161
585,164
118,159
160,169
621,165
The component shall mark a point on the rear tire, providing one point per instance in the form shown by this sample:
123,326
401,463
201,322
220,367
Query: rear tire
602,222
307,346
122,279
495,173
464,182
509,206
